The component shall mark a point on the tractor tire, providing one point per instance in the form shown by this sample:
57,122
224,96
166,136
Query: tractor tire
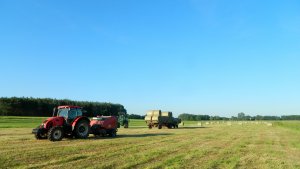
56,134
113,133
159,126
96,135
41,134
82,129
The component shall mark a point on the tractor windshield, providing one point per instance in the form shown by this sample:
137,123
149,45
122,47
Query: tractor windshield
63,113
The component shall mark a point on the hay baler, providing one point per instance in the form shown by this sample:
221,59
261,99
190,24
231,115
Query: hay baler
104,126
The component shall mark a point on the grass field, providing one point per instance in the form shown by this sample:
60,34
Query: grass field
218,145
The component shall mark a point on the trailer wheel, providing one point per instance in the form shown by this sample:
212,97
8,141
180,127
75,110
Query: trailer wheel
56,134
113,133
41,134
82,129
159,126
150,127
96,135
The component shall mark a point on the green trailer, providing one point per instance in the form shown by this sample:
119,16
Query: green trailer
157,118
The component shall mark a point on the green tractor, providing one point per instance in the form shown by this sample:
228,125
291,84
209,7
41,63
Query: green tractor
123,119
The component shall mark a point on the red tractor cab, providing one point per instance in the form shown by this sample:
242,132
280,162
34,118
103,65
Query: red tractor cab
104,125
67,121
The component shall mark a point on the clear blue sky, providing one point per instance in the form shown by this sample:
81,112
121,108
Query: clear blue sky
187,56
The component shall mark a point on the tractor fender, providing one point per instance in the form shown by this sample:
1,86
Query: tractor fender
79,119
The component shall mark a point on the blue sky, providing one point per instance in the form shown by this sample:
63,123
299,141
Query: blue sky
187,56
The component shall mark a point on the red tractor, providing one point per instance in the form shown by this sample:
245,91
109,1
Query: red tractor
67,121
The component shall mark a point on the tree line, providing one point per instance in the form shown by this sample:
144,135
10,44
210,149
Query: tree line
28,106
240,116
194,117
135,116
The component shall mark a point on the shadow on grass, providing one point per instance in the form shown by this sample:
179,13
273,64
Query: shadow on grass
131,136
144,135
192,127
164,127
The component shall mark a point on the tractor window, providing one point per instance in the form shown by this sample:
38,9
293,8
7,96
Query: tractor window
79,112
63,113
72,114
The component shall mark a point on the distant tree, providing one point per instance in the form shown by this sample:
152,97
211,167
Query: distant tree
241,116
28,106
233,118
291,117
135,116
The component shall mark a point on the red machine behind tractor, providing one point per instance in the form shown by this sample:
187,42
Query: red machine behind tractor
69,121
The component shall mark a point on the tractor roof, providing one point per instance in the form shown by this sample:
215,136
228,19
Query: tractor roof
68,106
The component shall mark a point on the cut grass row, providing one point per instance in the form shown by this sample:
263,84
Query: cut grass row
217,146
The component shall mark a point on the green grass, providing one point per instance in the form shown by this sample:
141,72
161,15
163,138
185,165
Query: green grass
217,145
293,125
20,122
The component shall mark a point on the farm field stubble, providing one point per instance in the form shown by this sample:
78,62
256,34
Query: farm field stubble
219,145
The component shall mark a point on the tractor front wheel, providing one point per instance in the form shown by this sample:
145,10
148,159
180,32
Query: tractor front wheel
82,129
41,134
56,134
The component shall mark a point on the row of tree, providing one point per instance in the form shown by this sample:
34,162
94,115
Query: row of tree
194,117
240,116
135,116
24,106
28,106
243,116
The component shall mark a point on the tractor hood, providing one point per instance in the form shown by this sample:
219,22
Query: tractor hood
53,121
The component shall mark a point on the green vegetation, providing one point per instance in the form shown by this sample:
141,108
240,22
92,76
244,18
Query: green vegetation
240,117
20,122
216,145
23,106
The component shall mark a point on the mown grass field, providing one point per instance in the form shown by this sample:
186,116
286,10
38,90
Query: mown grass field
218,145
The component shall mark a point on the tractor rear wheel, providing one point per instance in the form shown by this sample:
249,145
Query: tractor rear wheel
82,129
41,134
56,134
